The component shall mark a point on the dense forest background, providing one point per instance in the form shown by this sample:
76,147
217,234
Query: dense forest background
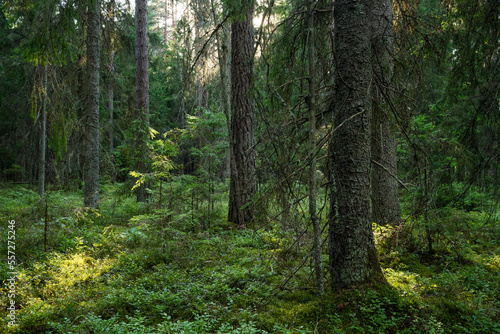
190,166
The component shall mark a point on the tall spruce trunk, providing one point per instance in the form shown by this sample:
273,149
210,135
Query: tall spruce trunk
385,197
353,257
91,117
142,92
316,254
242,138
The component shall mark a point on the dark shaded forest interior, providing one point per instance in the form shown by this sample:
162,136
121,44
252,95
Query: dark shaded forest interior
250,166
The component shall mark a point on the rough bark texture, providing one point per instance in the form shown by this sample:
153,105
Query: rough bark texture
385,196
353,257
318,261
91,120
142,90
242,137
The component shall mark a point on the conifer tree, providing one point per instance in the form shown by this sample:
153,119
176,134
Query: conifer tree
352,250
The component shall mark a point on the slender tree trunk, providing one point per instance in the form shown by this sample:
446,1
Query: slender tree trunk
225,73
43,134
142,91
174,22
111,86
200,73
165,22
318,262
353,257
45,226
111,82
201,53
385,196
91,118
223,37
242,138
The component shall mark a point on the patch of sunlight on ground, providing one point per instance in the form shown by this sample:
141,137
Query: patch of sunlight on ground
406,282
63,272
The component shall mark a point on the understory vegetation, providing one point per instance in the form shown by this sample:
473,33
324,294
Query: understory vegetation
180,267
233,166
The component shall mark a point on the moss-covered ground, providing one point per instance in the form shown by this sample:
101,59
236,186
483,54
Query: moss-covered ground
133,268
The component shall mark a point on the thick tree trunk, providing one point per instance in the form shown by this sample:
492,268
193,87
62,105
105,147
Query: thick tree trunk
43,134
385,196
353,257
242,138
91,117
142,91
318,261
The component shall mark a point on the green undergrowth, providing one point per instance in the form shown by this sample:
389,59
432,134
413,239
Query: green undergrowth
135,268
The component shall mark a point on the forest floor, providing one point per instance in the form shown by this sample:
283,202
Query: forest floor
132,268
